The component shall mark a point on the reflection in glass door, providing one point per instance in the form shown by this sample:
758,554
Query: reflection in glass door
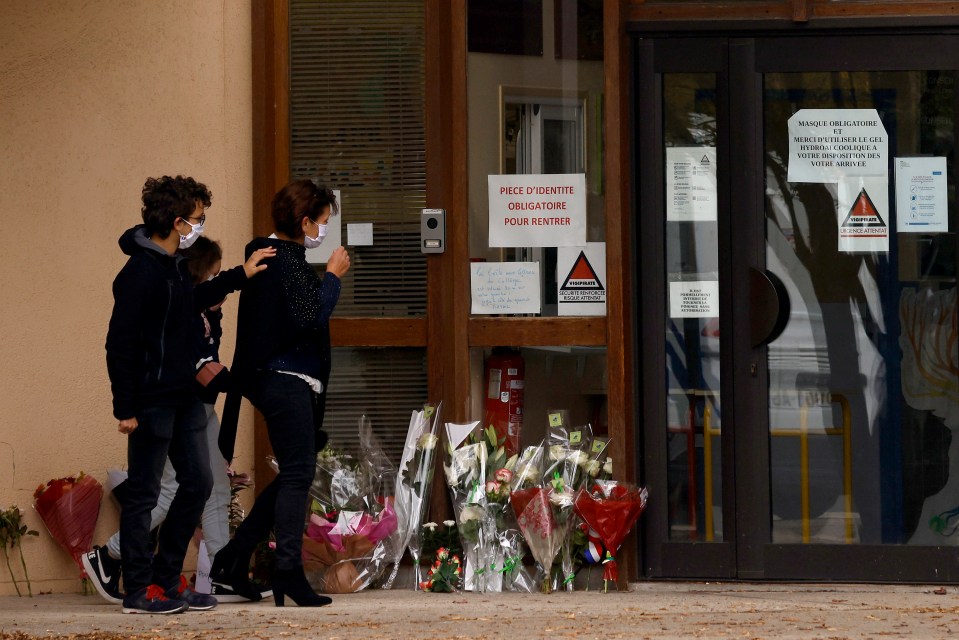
863,381
694,465
828,449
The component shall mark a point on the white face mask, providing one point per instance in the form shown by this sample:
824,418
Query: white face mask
195,231
313,243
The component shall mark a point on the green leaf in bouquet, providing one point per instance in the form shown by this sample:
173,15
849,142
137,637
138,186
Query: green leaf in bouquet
495,462
511,463
491,436
557,481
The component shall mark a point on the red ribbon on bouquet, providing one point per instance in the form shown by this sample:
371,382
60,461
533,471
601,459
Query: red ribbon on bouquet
611,510
69,508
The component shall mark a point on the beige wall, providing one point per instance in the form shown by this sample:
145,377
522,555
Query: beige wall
94,97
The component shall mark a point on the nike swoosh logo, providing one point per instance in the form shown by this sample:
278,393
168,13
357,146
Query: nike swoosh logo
104,577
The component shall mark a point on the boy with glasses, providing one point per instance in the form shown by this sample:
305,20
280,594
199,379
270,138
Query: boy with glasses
151,363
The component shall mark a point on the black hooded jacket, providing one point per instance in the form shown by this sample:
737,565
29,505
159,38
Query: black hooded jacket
151,342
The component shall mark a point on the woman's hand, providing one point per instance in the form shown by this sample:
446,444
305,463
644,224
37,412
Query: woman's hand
128,426
339,262
252,266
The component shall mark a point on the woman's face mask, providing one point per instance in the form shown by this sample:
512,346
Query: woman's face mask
312,242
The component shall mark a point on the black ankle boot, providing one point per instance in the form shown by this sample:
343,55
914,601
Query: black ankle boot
230,577
293,583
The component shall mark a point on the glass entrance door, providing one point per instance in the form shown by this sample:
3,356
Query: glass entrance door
811,343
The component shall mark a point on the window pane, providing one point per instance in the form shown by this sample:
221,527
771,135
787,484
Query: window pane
863,381
385,385
535,109
357,119
694,472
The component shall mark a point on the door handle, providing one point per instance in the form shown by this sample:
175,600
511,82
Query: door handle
768,306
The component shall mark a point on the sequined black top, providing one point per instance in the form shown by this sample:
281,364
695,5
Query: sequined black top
283,322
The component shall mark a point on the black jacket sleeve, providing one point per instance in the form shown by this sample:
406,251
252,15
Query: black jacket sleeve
125,346
206,294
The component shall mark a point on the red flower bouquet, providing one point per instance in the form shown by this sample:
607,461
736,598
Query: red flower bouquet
611,509
69,508
445,574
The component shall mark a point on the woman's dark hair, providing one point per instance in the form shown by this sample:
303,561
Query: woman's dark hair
201,256
166,199
297,200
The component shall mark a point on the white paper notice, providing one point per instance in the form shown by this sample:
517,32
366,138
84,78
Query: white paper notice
922,204
694,299
505,287
581,280
359,234
691,183
542,210
863,213
333,239
827,144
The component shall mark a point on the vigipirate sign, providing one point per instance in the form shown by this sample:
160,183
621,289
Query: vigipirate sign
543,210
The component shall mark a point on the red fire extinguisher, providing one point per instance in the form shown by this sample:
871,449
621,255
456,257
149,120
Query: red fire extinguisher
505,379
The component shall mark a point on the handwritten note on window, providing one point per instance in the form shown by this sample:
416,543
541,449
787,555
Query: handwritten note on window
505,287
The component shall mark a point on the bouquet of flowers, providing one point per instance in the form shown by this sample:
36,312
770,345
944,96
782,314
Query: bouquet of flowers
611,508
335,542
541,511
466,478
69,508
352,524
588,545
567,466
444,575
413,483
509,547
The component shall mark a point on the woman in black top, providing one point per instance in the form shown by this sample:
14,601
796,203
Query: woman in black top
282,364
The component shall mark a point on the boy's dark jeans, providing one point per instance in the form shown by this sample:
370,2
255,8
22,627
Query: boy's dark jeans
286,403
177,432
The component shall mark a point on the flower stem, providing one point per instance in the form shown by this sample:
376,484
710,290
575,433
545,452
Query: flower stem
10,569
23,563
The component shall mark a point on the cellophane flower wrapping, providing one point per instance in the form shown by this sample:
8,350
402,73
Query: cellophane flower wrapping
567,464
611,509
69,508
413,483
466,479
587,545
508,571
351,531
538,510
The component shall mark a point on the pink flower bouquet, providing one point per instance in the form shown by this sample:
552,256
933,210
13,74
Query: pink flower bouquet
336,545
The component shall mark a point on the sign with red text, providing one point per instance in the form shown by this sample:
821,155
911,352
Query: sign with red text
863,214
541,210
581,280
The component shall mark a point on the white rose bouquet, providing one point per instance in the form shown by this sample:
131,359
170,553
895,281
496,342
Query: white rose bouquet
466,478
413,483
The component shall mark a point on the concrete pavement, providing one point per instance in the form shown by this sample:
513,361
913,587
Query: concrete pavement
648,610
